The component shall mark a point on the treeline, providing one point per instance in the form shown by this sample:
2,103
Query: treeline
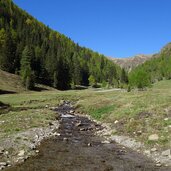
41,55
156,69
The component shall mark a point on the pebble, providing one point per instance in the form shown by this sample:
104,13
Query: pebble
3,164
20,159
153,149
153,137
166,119
105,142
89,144
78,124
65,139
21,153
6,153
57,134
71,111
158,164
157,161
82,129
116,122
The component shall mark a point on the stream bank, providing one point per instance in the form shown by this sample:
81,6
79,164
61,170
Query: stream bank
76,146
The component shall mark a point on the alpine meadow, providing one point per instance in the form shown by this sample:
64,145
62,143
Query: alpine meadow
64,106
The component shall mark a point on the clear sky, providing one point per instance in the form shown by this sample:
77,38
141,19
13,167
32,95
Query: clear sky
116,28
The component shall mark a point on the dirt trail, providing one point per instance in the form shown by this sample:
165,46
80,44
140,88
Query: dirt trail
78,149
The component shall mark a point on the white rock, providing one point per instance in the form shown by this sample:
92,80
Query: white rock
105,142
166,152
166,119
53,108
37,151
21,153
6,153
3,164
158,164
71,111
147,152
153,137
157,161
116,122
153,149
89,144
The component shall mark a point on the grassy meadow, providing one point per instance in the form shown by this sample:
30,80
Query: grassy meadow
137,113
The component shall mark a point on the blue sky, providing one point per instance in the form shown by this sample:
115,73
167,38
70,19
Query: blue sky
115,28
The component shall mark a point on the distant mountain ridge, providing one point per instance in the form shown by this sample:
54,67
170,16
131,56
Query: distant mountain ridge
131,62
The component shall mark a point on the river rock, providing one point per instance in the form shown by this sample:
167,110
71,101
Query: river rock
116,122
37,151
2,167
65,139
147,152
153,149
21,153
166,152
105,142
158,165
3,164
89,144
78,124
153,137
71,111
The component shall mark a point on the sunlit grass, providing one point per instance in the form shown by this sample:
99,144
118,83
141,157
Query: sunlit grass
135,111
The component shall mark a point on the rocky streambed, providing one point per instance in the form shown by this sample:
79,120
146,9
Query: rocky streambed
77,147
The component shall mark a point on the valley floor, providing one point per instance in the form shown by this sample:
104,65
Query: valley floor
144,116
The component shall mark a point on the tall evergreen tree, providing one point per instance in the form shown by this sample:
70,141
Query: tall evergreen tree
26,73
124,76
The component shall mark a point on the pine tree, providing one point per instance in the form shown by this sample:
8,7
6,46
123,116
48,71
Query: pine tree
8,52
26,73
124,76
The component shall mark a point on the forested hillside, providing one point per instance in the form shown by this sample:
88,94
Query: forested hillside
39,54
156,69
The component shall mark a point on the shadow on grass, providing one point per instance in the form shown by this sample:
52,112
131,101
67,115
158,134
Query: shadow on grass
39,89
7,92
4,108
80,88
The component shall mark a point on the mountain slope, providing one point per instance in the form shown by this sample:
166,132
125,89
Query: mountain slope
131,62
10,82
47,56
155,69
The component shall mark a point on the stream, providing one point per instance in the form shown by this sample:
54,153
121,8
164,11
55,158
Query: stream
76,148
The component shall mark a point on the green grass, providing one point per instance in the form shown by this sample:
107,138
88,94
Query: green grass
101,112
136,111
